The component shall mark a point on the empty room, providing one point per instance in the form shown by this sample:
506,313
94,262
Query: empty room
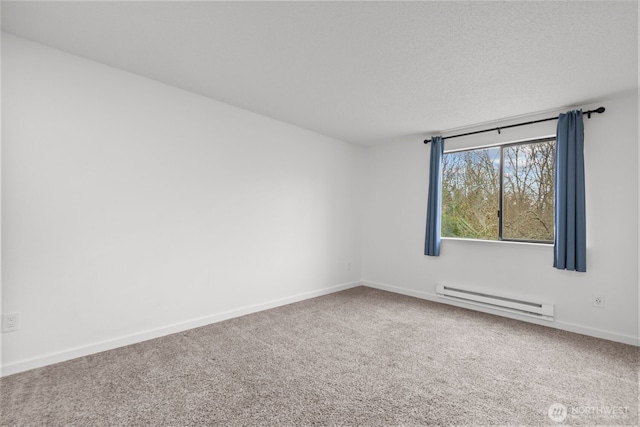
319,213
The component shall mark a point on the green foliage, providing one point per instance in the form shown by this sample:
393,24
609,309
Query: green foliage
471,192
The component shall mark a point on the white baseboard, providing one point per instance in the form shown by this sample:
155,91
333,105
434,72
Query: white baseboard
73,353
565,326
49,359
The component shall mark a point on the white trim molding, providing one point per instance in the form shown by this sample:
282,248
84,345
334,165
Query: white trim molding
97,347
565,326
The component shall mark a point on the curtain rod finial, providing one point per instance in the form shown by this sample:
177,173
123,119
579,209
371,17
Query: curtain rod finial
598,110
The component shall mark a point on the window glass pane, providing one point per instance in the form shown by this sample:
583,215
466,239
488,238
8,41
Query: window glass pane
470,194
528,191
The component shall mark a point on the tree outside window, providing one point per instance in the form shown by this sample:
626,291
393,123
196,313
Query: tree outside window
500,193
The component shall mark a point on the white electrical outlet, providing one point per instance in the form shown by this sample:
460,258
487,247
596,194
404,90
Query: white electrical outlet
598,301
10,322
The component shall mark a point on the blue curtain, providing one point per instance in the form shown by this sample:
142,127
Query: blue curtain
432,238
570,244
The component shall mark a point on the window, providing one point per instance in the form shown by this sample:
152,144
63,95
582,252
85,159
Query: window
500,193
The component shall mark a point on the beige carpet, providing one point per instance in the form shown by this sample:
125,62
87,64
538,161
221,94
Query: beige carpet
358,357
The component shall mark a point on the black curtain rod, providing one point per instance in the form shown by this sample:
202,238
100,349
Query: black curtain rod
588,113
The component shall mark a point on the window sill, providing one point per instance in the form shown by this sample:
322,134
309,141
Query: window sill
500,242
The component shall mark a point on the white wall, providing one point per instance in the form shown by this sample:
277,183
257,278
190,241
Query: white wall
132,209
395,206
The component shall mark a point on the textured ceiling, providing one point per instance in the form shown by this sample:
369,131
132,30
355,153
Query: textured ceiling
363,72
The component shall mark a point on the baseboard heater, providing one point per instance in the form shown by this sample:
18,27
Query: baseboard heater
526,308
